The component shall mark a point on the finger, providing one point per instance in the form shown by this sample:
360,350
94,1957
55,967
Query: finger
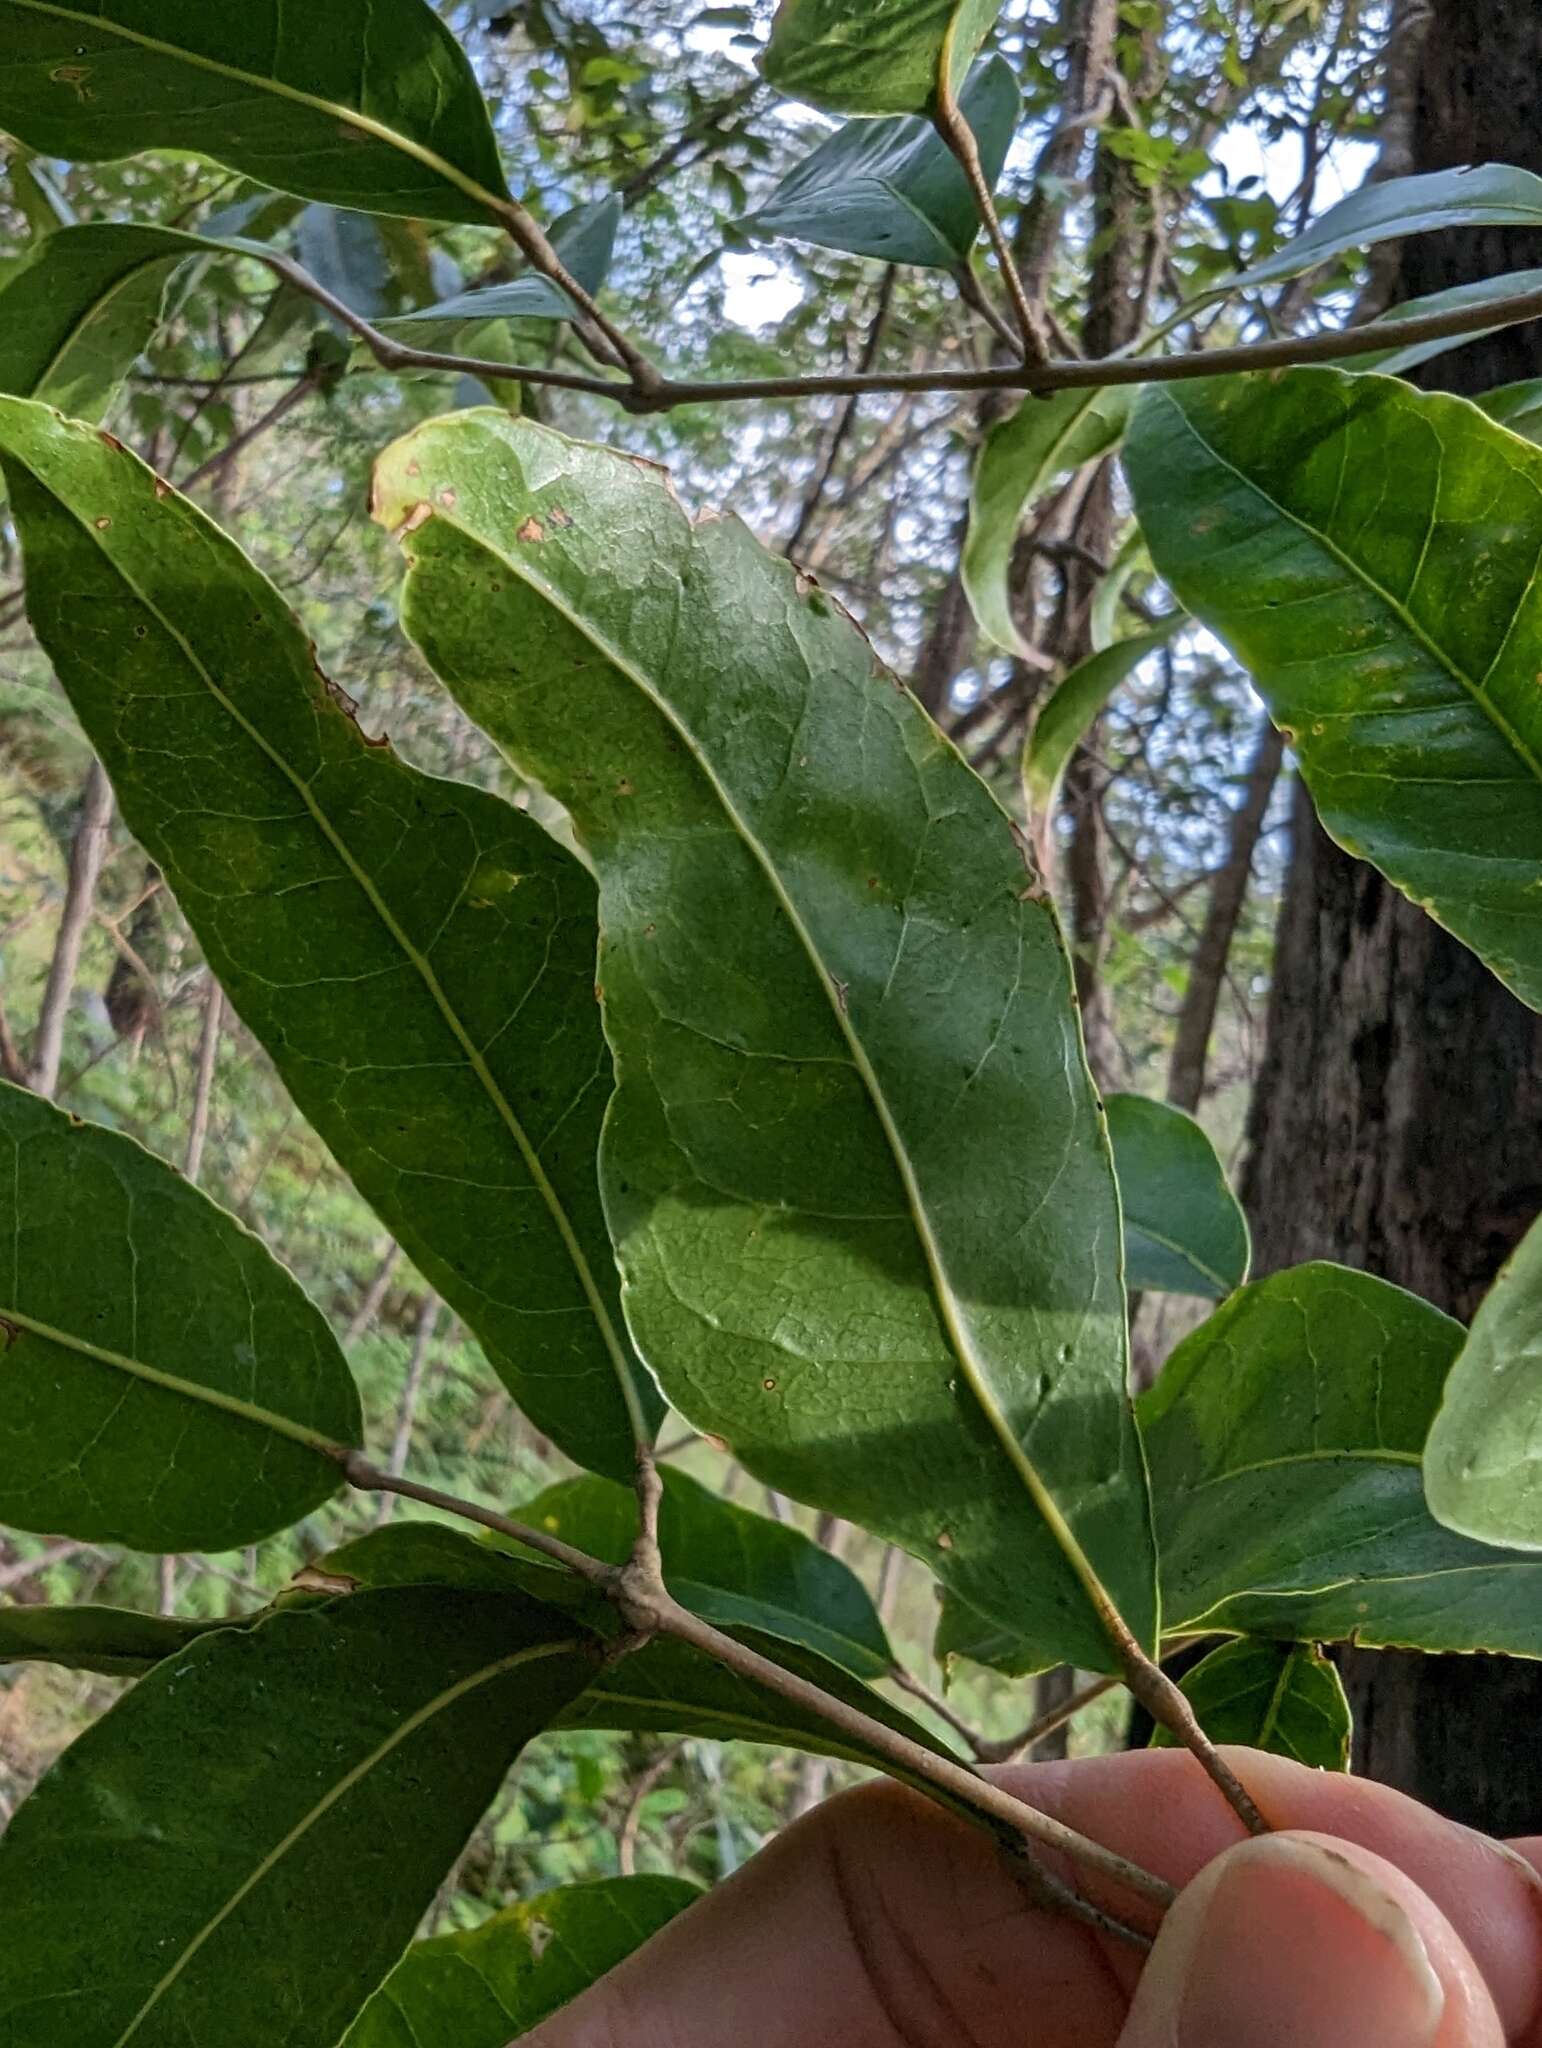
1298,1938
879,1922
1157,1808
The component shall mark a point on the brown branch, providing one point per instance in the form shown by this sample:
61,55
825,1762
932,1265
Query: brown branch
373,1296
948,119
407,1411
626,1841
845,419
87,851
647,1608
1207,966
643,181
223,457
1089,27
1010,1747
1058,375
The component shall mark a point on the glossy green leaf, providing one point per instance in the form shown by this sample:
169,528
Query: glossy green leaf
893,189
1326,527
1395,360
1184,1230
367,103
38,199
729,1566
488,1986
1021,457
1285,1439
112,1640
855,1169
666,1688
1108,617
874,56
1483,1461
584,238
1518,407
252,1834
1074,704
79,308
167,1384
1282,1697
1473,196
417,955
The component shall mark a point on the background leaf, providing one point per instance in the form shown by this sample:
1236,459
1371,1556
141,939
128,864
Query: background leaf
1282,1697
1285,1439
1483,1462
1072,707
893,189
115,1641
1386,209
731,1567
167,1384
81,306
417,955
854,1169
1405,683
1397,361
289,1798
584,238
1518,407
1021,457
484,1987
382,112
873,56
1184,1230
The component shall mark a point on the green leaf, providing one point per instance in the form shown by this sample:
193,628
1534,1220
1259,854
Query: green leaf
874,56
1021,457
1285,1439
893,189
417,956
1483,1463
1475,196
482,1988
667,1687
1405,682
81,306
731,1567
381,111
855,1169
252,1834
1518,407
167,1385
1184,1230
115,1641
1397,361
1074,704
1283,1697
584,238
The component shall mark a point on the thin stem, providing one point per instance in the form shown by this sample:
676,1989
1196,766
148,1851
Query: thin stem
528,234
1167,1704
648,1609
208,1052
977,1744
88,849
223,457
1010,1747
948,119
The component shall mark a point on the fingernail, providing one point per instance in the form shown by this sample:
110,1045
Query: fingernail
1281,1942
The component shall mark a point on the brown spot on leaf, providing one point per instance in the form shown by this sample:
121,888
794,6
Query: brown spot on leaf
162,488
447,499
560,516
531,530
842,990
102,524
9,1334
945,1539
625,786
111,440
420,515
769,1385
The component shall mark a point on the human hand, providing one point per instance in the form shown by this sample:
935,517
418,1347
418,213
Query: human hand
883,1922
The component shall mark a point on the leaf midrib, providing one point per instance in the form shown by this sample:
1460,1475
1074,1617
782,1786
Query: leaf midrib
353,116
153,1375
330,1798
1081,1565
538,1176
1397,606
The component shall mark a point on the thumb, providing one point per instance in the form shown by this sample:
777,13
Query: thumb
1303,1939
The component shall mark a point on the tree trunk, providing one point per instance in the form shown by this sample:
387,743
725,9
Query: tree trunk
1397,1124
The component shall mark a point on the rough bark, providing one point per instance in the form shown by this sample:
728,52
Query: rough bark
1212,949
1397,1124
